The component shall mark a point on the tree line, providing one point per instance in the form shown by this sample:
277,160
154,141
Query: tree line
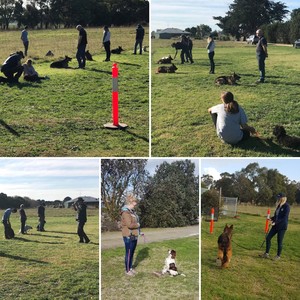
169,198
54,13
253,184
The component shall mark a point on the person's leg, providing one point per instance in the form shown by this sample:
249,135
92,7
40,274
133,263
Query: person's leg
261,67
280,237
85,237
133,244
23,226
270,235
108,50
135,46
182,53
141,46
127,253
80,232
26,44
214,118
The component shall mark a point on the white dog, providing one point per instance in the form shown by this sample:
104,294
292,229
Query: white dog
170,264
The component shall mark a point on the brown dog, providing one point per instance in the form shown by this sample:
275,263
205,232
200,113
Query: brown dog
231,80
225,247
165,69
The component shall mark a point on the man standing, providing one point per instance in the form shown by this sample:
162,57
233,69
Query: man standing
261,54
23,218
106,42
41,215
24,38
8,232
80,207
82,42
139,36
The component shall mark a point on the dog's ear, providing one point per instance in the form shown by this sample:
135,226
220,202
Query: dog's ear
231,227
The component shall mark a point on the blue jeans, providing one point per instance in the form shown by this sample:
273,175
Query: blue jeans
280,235
80,55
261,66
130,245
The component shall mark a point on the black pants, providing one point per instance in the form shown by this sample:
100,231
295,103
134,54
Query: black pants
41,224
14,74
83,238
138,42
211,60
23,222
107,50
280,235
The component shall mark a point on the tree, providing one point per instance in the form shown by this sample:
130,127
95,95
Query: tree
6,12
203,31
118,177
210,199
172,196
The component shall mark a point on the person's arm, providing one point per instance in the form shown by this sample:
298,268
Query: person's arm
128,221
252,130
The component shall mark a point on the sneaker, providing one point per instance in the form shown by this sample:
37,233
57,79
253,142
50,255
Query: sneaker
276,257
260,81
129,273
133,271
265,255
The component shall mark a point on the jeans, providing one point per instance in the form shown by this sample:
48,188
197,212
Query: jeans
130,245
138,42
211,60
26,44
280,235
80,56
261,67
41,224
83,238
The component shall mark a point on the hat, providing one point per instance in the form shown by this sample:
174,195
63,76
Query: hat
80,199
280,195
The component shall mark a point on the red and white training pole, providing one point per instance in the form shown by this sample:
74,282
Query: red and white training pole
115,101
212,217
267,221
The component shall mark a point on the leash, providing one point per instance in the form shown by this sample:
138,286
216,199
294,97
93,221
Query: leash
242,246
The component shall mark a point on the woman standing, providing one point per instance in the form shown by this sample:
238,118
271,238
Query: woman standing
130,231
211,53
106,42
23,218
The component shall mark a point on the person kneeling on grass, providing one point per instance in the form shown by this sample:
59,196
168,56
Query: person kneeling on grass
30,74
230,120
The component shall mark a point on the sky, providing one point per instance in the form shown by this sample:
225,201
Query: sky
49,179
286,166
190,13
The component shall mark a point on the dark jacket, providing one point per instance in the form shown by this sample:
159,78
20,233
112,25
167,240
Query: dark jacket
11,62
81,213
140,32
82,39
281,219
22,214
41,211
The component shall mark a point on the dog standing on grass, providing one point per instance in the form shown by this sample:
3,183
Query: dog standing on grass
284,139
225,247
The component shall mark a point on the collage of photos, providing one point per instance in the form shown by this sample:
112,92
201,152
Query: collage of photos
149,149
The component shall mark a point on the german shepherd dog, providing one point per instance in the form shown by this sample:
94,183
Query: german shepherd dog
117,50
64,63
231,80
165,60
88,56
285,139
224,247
166,69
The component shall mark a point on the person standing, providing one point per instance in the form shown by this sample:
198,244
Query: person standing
41,215
211,53
8,231
24,38
81,45
185,52
130,232
106,42
80,207
261,55
139,37
279,226
23,218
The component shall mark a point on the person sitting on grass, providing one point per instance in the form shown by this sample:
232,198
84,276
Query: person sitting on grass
230,120
30,74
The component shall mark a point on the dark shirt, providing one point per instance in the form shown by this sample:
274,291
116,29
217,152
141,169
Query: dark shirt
281,216
82,39
11,62
259,47
41,211
81,213
140,32
22,214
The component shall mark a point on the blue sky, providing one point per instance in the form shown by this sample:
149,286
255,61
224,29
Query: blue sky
183,14
49,179
287,166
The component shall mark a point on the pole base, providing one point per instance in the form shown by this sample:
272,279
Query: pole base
112,126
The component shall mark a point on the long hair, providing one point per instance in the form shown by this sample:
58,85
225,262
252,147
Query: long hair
230,104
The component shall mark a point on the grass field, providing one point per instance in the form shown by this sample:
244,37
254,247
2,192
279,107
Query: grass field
64,116
249,276
149,258
181,125
52,264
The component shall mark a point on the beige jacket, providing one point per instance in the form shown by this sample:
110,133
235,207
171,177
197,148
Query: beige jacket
129,224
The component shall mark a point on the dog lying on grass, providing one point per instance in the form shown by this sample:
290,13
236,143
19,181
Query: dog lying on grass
165,60
117,50
166,69
224,247
284,139
231,80
61,64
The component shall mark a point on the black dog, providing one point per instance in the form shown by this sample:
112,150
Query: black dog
165,69
231,80
284,139
88,55
64,63
117,50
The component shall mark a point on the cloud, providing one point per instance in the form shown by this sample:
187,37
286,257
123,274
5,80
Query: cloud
213,172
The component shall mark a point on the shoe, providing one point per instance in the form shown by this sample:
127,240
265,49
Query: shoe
260,81
133,271
265,255
87,241
276,257
129,273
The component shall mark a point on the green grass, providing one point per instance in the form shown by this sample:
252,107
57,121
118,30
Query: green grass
249,276
64,116
149,258
52,264
181,125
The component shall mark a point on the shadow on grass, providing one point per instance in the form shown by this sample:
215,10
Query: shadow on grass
45,235
142,255
2,254
99,71
10,129
38,242
62,232
135,135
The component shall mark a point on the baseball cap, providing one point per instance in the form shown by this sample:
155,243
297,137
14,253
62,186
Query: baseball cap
280,195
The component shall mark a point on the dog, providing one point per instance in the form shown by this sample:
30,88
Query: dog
166,69
117,50
88,56
284,139
145,48
165,60
231,80
49,53
26,229
64,63
170,264
177,46
225,247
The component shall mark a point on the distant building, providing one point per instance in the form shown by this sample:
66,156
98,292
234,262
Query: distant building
169,33
89,201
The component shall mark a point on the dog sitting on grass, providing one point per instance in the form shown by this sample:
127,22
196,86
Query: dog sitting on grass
225,247
61,64
230,80
166,69
285,139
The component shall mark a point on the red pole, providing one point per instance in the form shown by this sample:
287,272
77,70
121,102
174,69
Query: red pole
211,229
115,95
267,221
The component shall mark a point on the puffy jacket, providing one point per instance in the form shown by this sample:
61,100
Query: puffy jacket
130,222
